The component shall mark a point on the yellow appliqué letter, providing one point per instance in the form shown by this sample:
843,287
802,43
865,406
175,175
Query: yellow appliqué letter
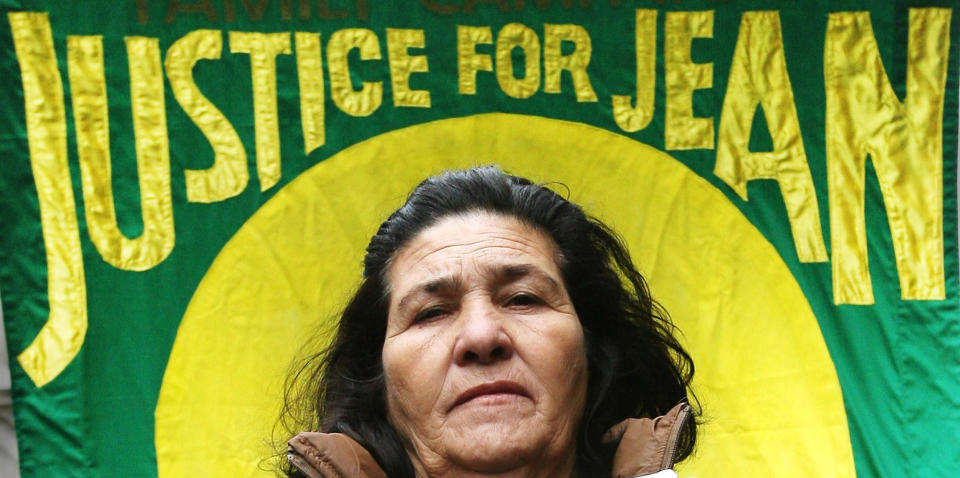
758,75
904,140
61,337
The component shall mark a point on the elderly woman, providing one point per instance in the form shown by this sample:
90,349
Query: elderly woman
498,331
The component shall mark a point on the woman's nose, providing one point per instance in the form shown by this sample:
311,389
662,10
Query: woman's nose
482,338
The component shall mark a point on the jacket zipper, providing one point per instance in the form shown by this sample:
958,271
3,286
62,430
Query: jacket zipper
669,458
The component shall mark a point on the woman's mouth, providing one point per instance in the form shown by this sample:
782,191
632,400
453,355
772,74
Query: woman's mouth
492,392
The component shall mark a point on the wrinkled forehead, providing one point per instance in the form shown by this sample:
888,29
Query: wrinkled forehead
478,242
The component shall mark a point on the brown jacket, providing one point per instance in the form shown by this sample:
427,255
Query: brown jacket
646,446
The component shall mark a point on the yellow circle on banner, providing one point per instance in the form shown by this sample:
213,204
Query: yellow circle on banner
770,394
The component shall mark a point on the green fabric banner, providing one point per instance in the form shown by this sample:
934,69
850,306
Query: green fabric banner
188,187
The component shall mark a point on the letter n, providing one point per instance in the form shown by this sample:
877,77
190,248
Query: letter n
904,141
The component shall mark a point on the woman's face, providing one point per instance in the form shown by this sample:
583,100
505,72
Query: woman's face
484,355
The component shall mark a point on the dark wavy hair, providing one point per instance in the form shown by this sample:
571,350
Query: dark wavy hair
636,366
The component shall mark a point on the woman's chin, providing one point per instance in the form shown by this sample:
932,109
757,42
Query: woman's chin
489,453
498,442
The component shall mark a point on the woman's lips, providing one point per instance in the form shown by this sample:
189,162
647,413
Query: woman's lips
490,388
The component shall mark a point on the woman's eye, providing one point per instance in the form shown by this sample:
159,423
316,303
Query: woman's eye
523,300
429,314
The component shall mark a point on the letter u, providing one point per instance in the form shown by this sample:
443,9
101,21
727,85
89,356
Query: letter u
89,98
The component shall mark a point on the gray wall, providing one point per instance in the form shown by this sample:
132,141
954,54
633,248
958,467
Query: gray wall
9,464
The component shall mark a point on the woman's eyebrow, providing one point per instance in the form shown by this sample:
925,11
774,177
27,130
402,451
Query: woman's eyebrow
441,286
499,273
506,273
